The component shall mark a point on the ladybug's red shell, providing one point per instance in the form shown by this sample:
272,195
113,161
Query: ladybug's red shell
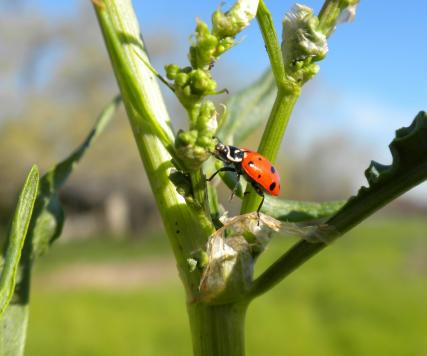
261,171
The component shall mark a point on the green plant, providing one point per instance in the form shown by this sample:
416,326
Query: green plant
215,257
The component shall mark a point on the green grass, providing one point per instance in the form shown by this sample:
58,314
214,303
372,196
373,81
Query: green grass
101,249
364,295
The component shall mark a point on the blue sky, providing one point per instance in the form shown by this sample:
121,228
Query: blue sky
371,82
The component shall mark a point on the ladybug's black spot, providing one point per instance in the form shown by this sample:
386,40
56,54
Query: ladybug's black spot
259,159
250,164
259,176
273,170
272,186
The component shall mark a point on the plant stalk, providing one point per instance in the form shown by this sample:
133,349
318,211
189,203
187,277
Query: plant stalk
150,121
217,330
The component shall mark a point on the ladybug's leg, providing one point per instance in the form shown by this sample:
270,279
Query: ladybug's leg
261,193
235,187
260,204
223,169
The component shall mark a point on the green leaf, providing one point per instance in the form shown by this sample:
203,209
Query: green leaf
17,234
299,211
48,219
286,210
386,182
249,109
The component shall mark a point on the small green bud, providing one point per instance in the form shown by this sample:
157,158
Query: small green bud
171,71
187,137
222,25
207,109
208,43
199,79
203,259
188,150
187,70
210,86
201,82
198,259
204,141
224,45
199,152
192,264
181,79
201,28
194,146
220,50
202,50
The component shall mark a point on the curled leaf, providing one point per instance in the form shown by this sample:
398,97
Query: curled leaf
231,257
386,182
233,249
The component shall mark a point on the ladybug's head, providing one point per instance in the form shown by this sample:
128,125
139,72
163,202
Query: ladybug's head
228,154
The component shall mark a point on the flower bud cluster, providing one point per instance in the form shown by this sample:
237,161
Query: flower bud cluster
303,43
191,84
194,146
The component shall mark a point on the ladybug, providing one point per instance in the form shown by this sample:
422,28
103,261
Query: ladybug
257,169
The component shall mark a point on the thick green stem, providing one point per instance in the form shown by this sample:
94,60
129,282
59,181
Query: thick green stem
217,330
149,120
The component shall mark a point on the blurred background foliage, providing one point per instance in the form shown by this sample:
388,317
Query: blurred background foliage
112,278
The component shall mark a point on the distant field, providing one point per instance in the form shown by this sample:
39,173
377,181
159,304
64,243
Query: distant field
364,295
